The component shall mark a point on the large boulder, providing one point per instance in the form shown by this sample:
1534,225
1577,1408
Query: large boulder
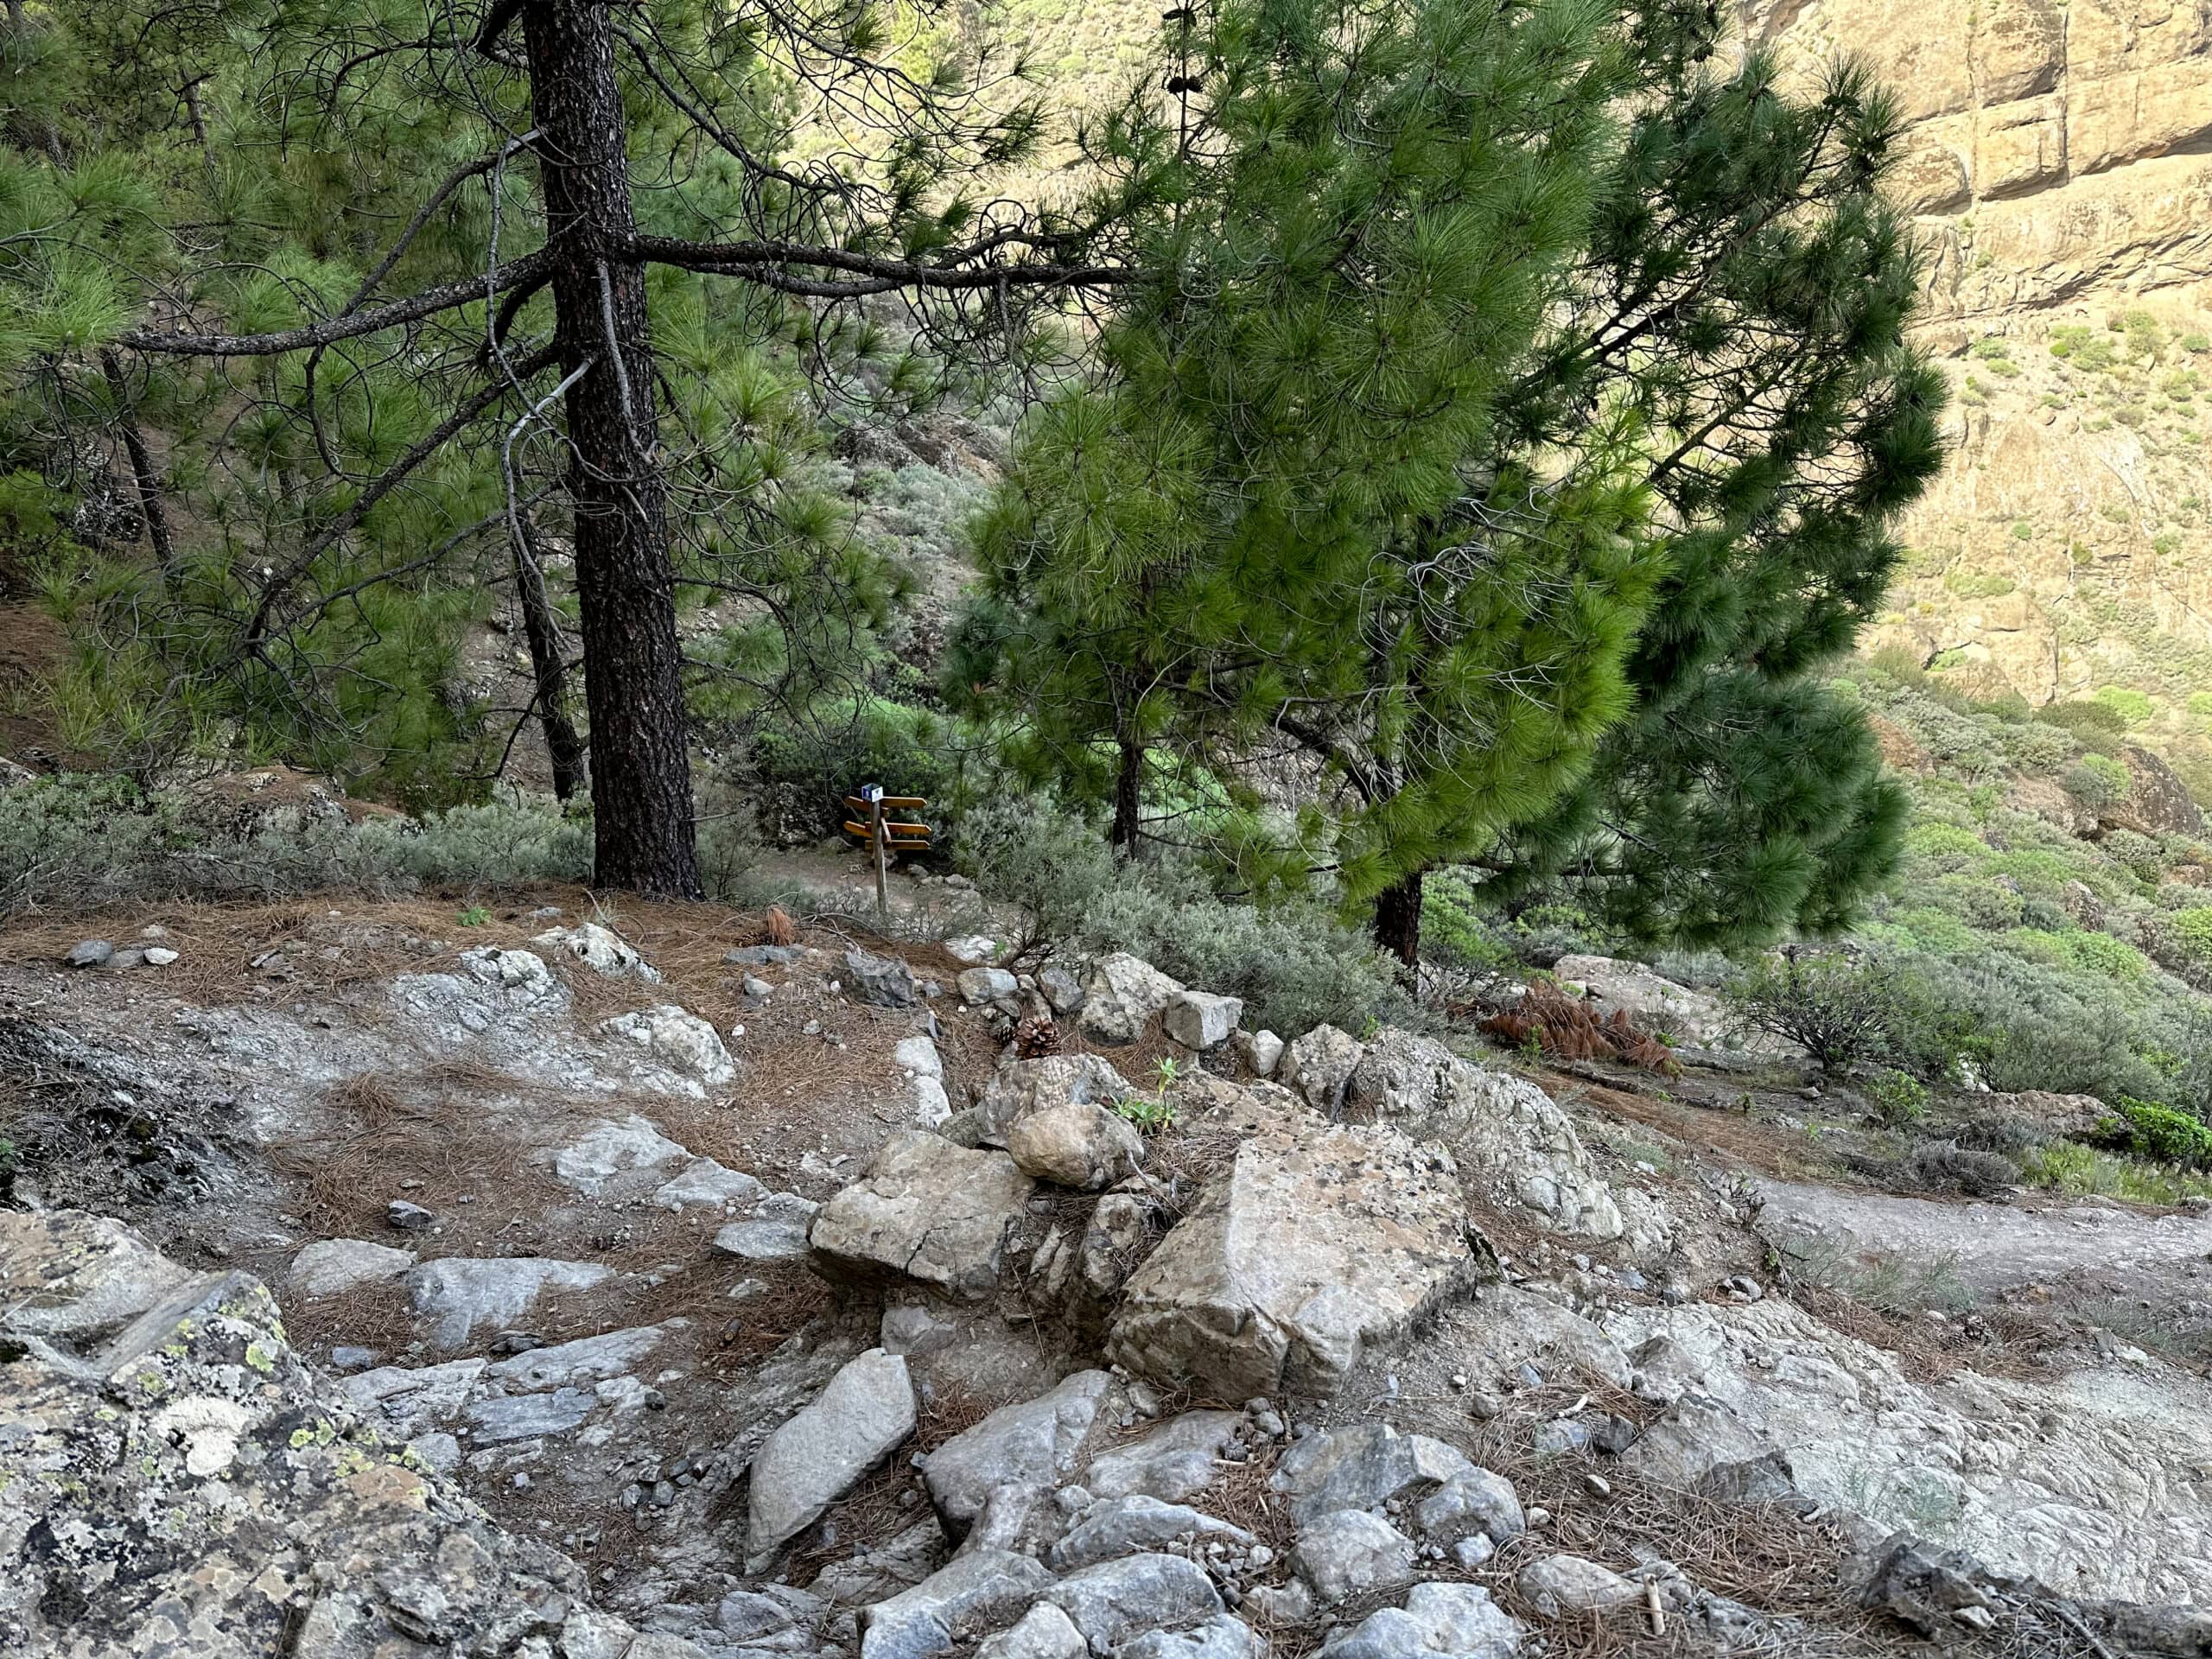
1508,1136
1319,1242
817,1456
1076,1145
1651,1002
925,1210
1020,1089
1122,995
1035,1442
190,1486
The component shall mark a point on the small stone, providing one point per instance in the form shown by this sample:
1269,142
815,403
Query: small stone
880,982
757,987
157,955
351,1359
89,953
407,1217
980,985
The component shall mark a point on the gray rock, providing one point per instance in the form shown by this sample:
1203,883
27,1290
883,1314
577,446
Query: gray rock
1460,1620
599,949
704,1181
157,955
879,982
972,948
1348,1552
1319,1242
816,1457
408,1401
925,1210
1076,1145
70,1277
1114,1601
1114,1241
775,1232
585,1360
1020,1089
687,1052
980,985
1121,996
348,1358
1171,1462
1042,1632
1263,1052
1318,1067
1475,1502
756,987
1363,1467
763,955
746,1616
974,1593
609,1151
1283,1606
1561,1584
1123,1526
907,1329
407,1217
1063,991
89,953
527,1417
1202,1021
458,1293
1220,1638
918,1055
1035,1442
254,1513
874,1572
331,1266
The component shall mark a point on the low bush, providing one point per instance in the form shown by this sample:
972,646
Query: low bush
1837,1009
2160,1135
1293,962
80,840
1897,1097
1946,1166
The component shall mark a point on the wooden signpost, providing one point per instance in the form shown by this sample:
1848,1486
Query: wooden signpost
884,835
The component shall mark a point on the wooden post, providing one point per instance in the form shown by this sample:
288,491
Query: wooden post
875,841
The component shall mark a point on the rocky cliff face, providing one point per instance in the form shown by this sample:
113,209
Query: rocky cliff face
2059,163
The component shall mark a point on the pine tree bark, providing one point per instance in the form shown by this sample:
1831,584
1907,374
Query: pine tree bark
626,584
1397,919
548,671
144,474
1129,807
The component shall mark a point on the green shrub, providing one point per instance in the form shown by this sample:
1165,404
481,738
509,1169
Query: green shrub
81,840
1837,1010
2191,930
1293,962
2159,1134
2133,707
1897,1097
807,764
2097,780
2079,716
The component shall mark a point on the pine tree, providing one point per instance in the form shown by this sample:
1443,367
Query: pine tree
1746,293
1221,552
399,300
1256,524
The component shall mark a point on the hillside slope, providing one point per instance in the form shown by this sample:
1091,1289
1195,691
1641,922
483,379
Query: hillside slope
2057,165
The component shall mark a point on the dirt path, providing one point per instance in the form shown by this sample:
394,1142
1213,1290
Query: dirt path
1994,1247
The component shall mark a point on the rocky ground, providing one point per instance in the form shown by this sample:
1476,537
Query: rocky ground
664,1284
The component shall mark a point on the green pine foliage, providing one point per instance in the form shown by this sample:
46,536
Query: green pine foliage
1260,522
1745,294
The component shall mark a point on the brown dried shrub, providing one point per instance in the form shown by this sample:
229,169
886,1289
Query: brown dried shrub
1566,1027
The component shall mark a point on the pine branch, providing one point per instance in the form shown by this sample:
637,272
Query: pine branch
446,296
762,262
257,629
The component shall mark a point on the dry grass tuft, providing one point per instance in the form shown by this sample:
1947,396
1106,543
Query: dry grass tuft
777,926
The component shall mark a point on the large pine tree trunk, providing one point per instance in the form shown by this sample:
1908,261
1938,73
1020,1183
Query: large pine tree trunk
633,690
1397,919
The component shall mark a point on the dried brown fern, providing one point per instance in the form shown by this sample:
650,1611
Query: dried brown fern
1567,1028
